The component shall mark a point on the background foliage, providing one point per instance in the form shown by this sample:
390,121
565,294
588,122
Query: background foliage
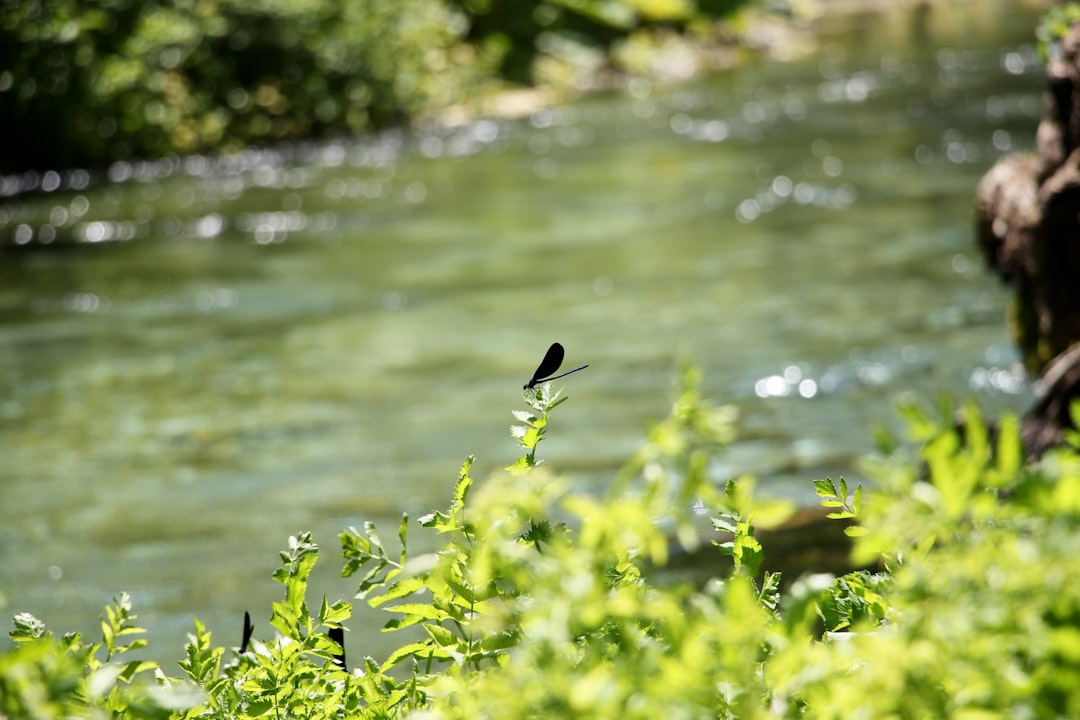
87,83
540,601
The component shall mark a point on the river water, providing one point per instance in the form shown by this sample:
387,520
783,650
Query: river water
200,357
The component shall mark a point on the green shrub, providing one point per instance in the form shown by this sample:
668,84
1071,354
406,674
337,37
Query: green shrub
1053,26
538,603
982,604
88,83
523,33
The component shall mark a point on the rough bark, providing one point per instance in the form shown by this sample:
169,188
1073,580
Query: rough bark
1028,227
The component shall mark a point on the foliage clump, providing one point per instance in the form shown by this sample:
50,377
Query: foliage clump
539,601
1053,27
90,83
84,84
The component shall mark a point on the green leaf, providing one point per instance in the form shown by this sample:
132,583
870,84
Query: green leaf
440,635
825,488
725,522
403,536
1009,452
27,627
130,669
423,650
401,588
521,466
335,614
417,610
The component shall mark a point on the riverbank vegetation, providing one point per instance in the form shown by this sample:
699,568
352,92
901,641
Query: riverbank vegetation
84,84
542,601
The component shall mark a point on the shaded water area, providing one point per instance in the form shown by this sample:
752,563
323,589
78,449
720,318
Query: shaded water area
200,357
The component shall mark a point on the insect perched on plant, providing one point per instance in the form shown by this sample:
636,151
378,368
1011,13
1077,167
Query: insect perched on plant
552,360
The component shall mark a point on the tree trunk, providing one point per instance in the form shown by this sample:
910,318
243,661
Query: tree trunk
1028,227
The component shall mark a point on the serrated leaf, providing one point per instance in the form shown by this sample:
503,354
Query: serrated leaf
432,519
724,523
446,608
520,466
371,579
531,437
467,593
130,669
334,614
421,650
401,623
464,483
27,627
420,610
372,535
440,635
500,641
400,589
825,488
